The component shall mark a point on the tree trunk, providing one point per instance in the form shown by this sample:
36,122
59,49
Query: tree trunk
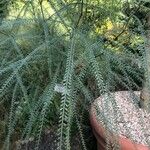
145,93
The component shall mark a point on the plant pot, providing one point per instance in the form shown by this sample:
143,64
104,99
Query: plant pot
99,132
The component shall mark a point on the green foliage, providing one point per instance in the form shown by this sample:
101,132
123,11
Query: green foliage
56,42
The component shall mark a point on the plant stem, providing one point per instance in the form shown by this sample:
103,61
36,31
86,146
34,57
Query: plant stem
145,93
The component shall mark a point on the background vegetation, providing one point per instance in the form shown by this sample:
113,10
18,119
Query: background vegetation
58,56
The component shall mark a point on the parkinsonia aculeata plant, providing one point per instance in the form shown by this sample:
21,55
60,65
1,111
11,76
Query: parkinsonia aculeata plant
81,38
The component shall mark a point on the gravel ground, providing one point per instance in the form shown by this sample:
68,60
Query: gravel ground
120,113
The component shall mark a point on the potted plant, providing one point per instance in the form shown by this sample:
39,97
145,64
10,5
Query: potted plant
132,133
129,134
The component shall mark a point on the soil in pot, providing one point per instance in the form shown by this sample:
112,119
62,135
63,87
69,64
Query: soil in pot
119,114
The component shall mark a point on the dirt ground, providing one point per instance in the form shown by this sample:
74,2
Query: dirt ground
48,142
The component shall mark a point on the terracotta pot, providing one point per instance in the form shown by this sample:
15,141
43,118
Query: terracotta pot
99,132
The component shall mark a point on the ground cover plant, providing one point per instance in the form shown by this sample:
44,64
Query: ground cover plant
58,56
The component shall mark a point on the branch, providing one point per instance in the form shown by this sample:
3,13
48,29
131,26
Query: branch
81,14
127,23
